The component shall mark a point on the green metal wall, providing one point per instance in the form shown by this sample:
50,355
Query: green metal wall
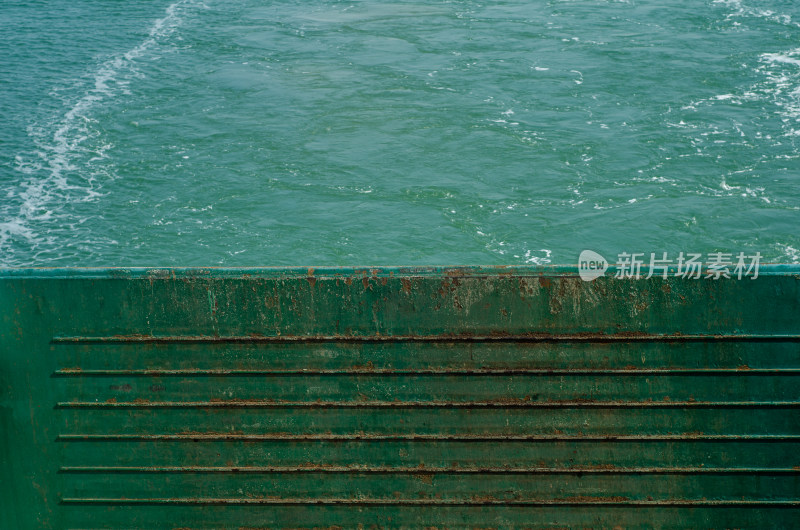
447,398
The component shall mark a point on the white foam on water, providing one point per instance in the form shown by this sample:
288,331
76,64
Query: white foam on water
790,252
741,10
780,71
782,85
781,58
65,168
725,186
519,250
544,259
779,86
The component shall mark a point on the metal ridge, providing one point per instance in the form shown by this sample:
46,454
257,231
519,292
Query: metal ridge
462,271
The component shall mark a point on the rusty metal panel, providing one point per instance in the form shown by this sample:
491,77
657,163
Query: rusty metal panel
397,397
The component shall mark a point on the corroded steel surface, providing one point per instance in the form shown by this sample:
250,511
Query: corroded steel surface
397,397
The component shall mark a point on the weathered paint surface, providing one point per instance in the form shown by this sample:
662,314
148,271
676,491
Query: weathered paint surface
475,397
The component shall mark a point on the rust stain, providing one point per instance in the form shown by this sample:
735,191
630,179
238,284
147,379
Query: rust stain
593,499
426,478
743,367
457,303
598,467
484,498
210,433
367,367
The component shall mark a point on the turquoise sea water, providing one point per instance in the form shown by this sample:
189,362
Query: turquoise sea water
377,132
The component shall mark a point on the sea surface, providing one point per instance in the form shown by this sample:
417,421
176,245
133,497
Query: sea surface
396,132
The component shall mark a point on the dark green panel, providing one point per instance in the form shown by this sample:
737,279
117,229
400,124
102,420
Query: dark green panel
451,487
252,358
597,421
476,397
435,454
457,390
390,516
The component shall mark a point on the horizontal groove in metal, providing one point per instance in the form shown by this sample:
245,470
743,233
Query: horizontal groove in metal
78,372
431,470
415,437
432,502
423,404
533,337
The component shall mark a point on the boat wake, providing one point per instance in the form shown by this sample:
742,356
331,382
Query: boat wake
69,164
